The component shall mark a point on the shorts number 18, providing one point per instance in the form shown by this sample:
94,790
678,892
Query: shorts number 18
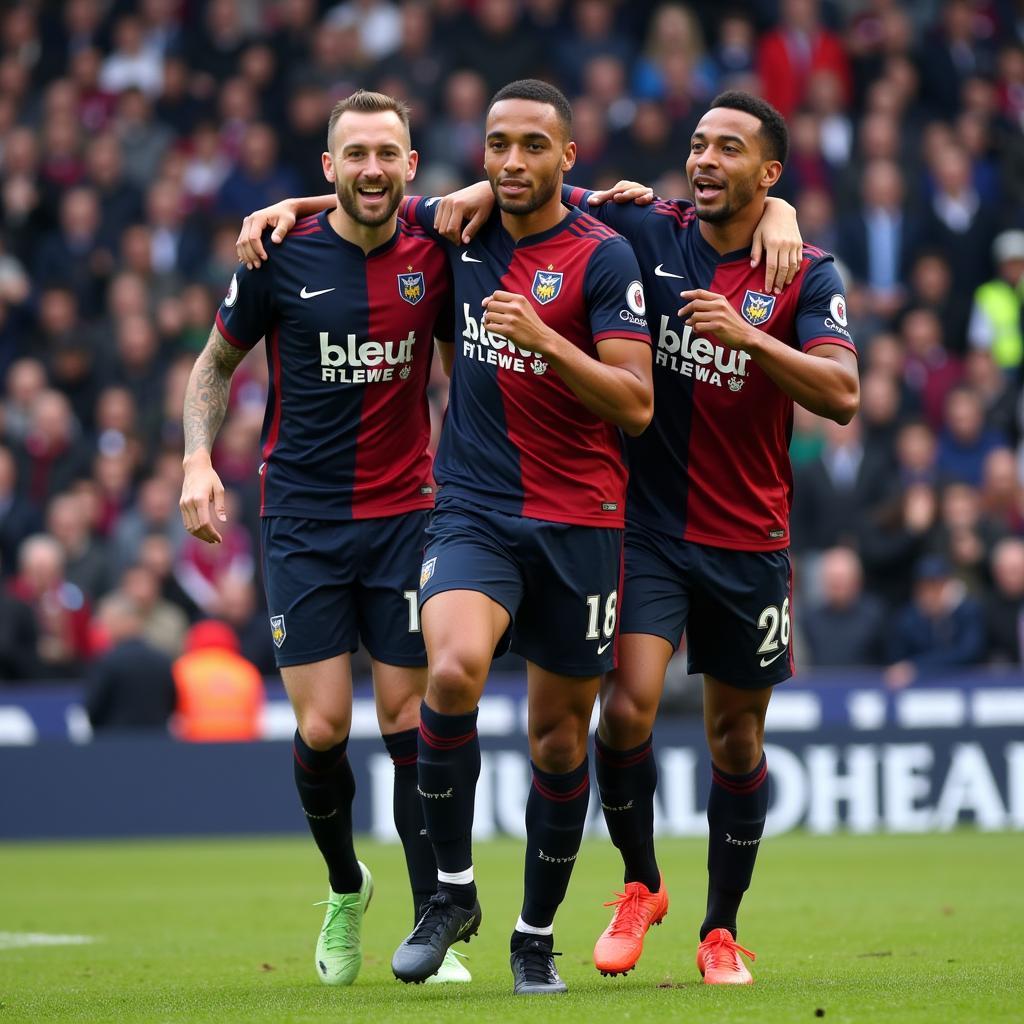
594,615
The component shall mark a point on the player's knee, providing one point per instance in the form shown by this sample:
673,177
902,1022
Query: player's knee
453,681
736,745
625,715
558,747
319,732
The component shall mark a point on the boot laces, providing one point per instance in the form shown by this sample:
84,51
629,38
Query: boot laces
436,912
721,951
627,919
339,934
537,963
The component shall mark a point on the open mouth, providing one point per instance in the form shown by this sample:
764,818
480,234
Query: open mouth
707,188
372,193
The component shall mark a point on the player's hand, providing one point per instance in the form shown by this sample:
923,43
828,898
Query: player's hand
513,317
472,205
710,313
900,675
623,192
201,490
777,238
249,246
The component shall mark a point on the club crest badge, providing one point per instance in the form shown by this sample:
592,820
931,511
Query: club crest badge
427,571
757,307
411,287
277,630
546,286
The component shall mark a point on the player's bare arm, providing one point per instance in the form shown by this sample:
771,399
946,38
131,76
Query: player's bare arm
206,403
446,353
823,380
617,387
249,247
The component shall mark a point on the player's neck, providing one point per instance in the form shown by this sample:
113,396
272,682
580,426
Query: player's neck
367,237
735,233
519,226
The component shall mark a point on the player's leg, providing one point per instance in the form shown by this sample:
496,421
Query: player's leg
566,628
560,709
314,629
654,610
321,695
741,632
627,776
461,629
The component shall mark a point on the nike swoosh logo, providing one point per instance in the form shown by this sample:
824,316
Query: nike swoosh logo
604,647
658,272
466,925
312,295
466,258
430,202
765,662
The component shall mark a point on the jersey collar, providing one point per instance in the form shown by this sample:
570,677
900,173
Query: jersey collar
351,247
541,236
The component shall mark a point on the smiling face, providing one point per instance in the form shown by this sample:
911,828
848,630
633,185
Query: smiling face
728,166
369,164
526,154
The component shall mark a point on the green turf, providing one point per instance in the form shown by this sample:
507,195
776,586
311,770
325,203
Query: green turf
865,928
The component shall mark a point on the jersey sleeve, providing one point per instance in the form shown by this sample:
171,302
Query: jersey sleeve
420,210
821,317
626,218
615,293
246,311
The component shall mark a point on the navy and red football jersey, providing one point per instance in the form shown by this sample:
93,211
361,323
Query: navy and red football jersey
350,336
713,467
516,439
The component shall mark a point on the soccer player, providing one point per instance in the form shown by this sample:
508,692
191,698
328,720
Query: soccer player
707,527
525,543
349,309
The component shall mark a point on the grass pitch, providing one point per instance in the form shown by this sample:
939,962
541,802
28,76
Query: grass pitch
847,928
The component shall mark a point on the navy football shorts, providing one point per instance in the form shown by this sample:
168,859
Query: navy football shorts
559,583
734,605
331,584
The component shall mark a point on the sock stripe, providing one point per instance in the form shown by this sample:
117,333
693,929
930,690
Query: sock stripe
561,797
402,762
445,742
312,771
624,758
741,784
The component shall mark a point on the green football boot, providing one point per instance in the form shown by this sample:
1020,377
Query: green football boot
339,952
451,970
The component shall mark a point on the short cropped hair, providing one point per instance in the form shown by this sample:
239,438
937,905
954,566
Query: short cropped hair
539,92
774,133
365,102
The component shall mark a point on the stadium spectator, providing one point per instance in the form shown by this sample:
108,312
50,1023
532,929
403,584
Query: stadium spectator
996,316
846,626
86,558
965,442
132,64
163,623
220,694
930,369
18,517
60,608
258,179
53,453
787,56
1004,605
19,640
241,606
835,490
941,629
129,687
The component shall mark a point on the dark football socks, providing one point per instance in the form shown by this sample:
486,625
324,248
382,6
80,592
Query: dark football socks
408,809
737,808
326,788
556,811
626,780
448,767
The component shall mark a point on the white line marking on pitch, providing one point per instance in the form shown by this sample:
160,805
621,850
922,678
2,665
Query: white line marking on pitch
19,940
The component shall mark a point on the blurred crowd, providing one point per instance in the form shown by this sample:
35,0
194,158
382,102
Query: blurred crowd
135,134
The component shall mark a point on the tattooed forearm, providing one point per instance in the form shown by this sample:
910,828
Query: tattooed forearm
206,397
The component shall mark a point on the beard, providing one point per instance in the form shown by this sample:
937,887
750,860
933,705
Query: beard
735,195
349,199
533,200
